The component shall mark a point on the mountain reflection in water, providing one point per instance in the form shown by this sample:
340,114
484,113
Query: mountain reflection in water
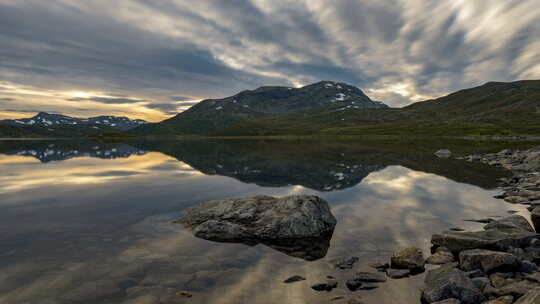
94,228
321,167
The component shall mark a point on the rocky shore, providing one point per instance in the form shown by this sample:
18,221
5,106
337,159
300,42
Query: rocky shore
499,264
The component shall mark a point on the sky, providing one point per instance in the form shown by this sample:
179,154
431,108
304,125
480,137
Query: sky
152,59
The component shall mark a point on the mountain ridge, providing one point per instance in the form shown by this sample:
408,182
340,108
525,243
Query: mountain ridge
335,108
213,115
59,125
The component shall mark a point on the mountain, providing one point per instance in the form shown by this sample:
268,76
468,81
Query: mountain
213,115
47,120
495,108
57,125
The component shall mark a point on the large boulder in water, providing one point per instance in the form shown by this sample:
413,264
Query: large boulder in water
299,225
513,231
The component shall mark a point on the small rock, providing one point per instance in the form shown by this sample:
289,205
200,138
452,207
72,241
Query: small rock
512,211
345,263
337,298
398,273
370,277
516,199
482,221
368,286
443,153
183,293
324,286
441,256
456,229
293,279
353,284
362,280
481,282
487,260
409,258
379,265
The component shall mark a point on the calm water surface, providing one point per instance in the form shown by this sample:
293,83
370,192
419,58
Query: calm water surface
91,222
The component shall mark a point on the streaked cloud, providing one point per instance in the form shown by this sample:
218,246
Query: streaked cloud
111,100
398,51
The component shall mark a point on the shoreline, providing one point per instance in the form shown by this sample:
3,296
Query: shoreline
499,264
517,138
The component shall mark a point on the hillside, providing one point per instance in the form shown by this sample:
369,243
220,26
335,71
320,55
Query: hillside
494,108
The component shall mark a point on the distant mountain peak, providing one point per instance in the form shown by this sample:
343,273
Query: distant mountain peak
50,121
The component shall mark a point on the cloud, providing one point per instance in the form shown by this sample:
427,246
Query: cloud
180,98
215,49
171,108
109,100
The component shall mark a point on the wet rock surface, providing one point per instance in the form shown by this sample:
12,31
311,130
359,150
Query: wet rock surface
448,282
295,278
408,258
299,226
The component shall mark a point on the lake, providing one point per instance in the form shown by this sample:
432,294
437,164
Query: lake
91,222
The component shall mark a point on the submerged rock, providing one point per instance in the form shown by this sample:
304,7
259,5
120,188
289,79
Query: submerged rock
300,225
345,263
448,282
443,153
513,231
379,265
369,277
295,278
398,273
409,258
326,286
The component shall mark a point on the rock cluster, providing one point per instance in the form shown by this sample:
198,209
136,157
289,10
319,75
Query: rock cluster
493,265
499,264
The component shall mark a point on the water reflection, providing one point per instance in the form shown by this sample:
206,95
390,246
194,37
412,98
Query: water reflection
94,230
